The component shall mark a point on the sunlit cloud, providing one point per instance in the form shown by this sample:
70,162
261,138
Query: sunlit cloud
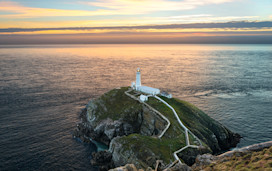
146,6
203,18
132,20
234,37
186,19
20,11
187,32
113,7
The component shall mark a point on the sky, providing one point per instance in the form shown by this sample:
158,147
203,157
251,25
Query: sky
135,21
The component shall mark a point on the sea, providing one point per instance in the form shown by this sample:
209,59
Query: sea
44,87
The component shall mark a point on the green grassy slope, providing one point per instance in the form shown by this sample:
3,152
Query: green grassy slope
194,119
259,161
115,104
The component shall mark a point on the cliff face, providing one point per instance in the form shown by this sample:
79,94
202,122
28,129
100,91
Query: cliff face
253,157
131,129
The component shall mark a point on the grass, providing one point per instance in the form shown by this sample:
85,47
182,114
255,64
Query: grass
162,148
174,129
187,114
194,119
115,104
259,161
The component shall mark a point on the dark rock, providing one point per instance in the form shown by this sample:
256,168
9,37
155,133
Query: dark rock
127,167
82,133
102,159
203,160
179,167
189,154
82,114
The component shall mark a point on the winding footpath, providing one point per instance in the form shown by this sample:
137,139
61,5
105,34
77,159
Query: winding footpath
186,130
154,110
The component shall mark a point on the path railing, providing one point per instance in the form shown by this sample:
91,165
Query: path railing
154,110
186,130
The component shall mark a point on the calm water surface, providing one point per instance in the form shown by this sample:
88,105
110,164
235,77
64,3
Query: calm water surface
43,88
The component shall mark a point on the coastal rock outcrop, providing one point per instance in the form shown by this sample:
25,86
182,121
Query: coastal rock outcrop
124,151
127,167
253,157
175,167
102,159
131,129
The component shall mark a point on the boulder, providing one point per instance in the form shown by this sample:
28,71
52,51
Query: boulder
102,159
127,167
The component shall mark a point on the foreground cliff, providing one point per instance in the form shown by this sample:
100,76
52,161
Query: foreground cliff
253,157
131,129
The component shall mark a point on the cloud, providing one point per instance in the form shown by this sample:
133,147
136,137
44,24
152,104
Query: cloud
146,6
233,25
20,11
139,38
203,17
130,21
110,7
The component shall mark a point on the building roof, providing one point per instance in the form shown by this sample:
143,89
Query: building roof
148,88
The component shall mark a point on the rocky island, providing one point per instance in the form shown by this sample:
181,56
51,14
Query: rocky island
136,133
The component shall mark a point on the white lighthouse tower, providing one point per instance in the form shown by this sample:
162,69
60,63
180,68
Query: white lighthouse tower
148,91
138,79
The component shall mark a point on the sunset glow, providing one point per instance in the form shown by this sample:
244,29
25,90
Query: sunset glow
131,18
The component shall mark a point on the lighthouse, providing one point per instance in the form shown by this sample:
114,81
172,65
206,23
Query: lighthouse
138,79
144,89
147,91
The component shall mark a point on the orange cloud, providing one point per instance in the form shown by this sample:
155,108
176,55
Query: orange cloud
187,32
200,18
114,7
146,6
31,12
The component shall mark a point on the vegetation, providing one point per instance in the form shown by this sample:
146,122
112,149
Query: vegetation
259,161
193,118
162,148
115,104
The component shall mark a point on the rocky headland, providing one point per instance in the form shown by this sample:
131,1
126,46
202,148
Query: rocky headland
130,129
